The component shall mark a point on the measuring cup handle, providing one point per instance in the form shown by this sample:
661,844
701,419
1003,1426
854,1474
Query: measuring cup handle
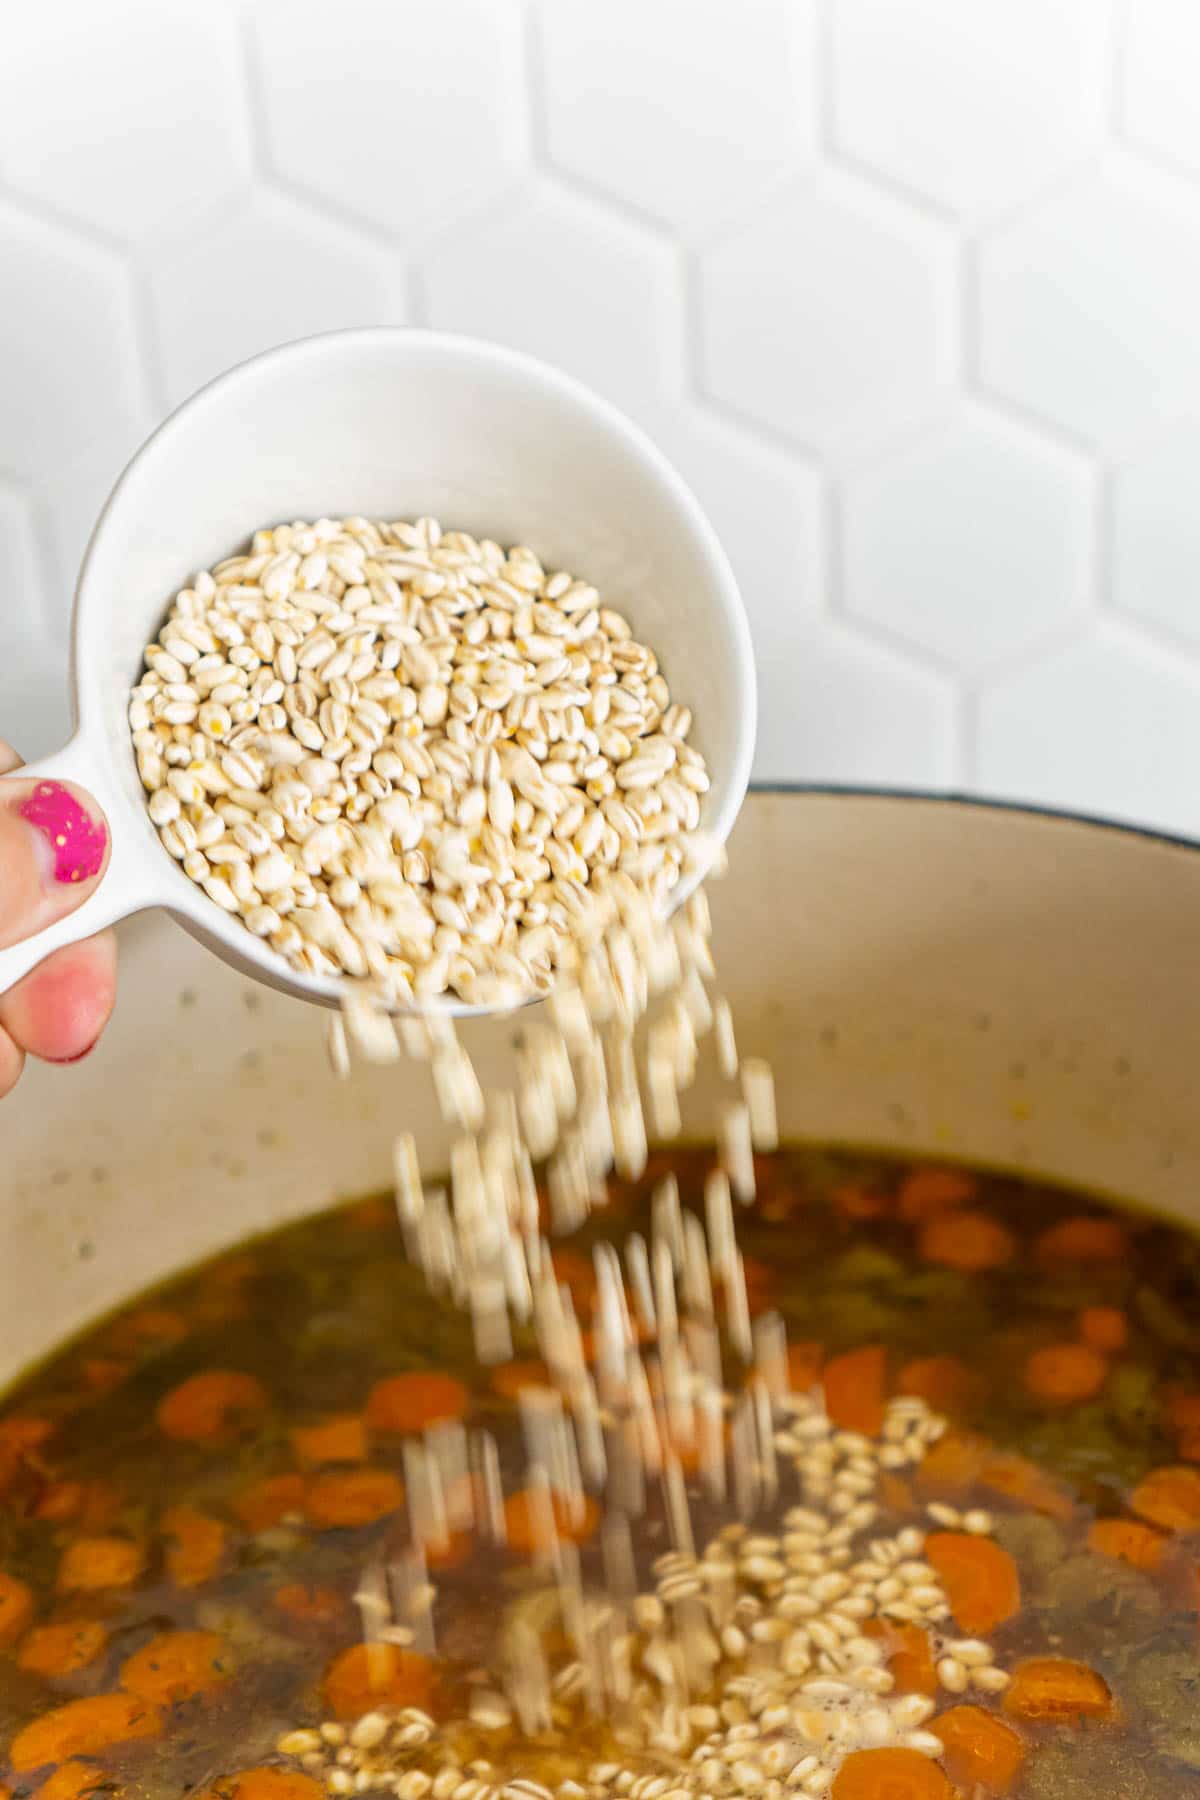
114,898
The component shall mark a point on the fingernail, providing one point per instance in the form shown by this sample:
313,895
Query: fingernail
61,1062
77,842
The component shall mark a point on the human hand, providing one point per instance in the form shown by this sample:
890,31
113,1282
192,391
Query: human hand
54,847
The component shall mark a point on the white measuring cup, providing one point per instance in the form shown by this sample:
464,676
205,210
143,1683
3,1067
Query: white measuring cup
386,423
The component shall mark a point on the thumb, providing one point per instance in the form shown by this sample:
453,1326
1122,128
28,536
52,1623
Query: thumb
53,850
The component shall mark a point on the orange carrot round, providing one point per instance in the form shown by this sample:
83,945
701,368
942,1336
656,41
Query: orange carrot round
371,1675
150,1327
909,1654
1053,1689
414,1401
103,1373
890,1774
268,1502
981,1751
1169,1497
82,1727
16,1608
1006,1472
854,1389
968,1241
353,1497
176,1665
450,1552
267,1783
195,1545
924,1192
944,1382
211,1406
1065,1374
59,1502
508,1379
75,1781
1104,1328
60,1649
91,1564
22,1433
856,1202
309,1605
1083,1240
575,1271
526,1530
342,1439
1128,1542
982,1586
804,1361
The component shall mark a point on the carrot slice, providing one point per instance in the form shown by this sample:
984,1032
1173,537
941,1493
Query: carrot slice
211,1406
370,1675
1065,1374
268,1502
103,1373
354,1497
342,1439
1008,1473
924,1192
804,1365
150,1327
574,1271
62,1648
1083,1240
59,1502
1053,1689
944,1382
93,1563
952,1465
102,1502
854,1389
75,1780
981,1751
890,1774
22,1434
195,1545
1169,1497
1104,1328
854,1202
264,1784
177,1665
309,1605
16,1608
982,1586
909,1653
968,1241
1128,1542
413,1401
82,1727
1183,1409
508,1379
451,1552
527,1532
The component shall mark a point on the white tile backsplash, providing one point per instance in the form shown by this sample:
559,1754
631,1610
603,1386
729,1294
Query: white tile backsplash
972,545
910,294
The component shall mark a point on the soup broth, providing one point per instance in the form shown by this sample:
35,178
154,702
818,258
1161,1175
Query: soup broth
191,1493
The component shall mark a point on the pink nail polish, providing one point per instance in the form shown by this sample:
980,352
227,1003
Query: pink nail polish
77,841
61,1062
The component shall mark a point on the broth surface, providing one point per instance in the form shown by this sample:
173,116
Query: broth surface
220,1460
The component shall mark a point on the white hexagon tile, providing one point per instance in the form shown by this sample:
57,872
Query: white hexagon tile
910,294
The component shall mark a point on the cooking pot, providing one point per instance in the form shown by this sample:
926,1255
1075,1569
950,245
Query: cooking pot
930,976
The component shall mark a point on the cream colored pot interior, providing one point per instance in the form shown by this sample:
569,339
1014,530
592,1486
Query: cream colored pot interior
929,976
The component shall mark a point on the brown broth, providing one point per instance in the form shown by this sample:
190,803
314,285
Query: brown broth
844,1246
